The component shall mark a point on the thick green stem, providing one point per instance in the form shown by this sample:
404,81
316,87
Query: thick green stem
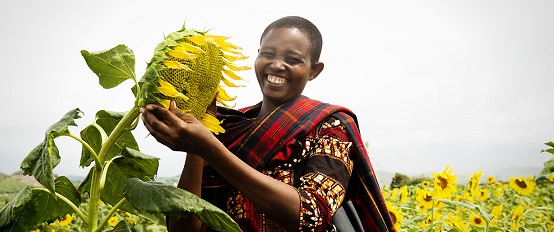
73,206
122,126
94,198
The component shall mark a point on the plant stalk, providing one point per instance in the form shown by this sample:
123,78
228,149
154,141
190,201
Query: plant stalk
95,190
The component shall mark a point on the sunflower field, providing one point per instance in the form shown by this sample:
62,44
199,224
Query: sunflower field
440,203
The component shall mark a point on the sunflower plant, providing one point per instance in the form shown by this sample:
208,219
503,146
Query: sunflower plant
190,67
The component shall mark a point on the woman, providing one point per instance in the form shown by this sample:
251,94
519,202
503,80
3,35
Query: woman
286,163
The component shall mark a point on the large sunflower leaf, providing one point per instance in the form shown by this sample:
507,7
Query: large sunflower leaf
108,120
548,165
31,207
45,157
112,66
155,197
130,164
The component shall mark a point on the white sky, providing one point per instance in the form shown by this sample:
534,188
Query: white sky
465,83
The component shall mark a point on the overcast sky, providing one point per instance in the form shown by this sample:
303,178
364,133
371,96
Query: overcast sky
468,84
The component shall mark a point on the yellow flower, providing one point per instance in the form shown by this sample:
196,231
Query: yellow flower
403,194
425,199
66,220
113,221
476,220
436,216
396,215
496,212
426,183
498,192
394,193
490,179
445,183
551,177
482,194
522,186
191,68
518,213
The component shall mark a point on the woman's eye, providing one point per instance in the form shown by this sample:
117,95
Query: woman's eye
267,54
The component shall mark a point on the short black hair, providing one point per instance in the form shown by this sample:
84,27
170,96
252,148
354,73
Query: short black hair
304,25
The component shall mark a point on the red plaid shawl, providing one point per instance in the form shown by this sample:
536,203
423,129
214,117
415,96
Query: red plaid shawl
256,140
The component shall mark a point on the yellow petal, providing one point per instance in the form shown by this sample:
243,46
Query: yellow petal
184,46
228,83
175,65
168,90
212,124
232,58
165,103
231,74
236,68
181,53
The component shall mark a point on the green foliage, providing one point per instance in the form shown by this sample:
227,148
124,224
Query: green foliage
493,206
32,205
155,197
399,180
117,175
548,165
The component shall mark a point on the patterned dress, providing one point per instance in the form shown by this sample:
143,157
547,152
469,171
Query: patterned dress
312,154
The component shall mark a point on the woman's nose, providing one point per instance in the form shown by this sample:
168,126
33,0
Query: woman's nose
277,64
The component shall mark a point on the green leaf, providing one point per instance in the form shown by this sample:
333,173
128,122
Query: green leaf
31,206
548,167
45,157
112,66
130,164
486,216
108,120
155,197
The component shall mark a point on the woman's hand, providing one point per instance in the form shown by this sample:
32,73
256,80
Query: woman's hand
176,130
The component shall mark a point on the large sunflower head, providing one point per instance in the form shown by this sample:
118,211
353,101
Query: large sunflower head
445,183
523,186
190,67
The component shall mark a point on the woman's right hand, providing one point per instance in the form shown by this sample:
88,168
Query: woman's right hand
177,130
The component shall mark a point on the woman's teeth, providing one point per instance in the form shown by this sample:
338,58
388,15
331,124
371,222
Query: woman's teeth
276,80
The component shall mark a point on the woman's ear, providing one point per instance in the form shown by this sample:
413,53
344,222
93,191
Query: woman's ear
316,70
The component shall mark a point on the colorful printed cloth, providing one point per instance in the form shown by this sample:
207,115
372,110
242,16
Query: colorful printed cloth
312,146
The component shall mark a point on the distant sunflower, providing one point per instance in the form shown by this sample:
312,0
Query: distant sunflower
113,221
430,219
477,220
426,183
482,194
396,215
496,212
551,177
424,199
498,192
517,214
66,220
523,186
445,183
403,194
490,179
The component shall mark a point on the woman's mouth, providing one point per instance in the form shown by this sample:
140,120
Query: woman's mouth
276,80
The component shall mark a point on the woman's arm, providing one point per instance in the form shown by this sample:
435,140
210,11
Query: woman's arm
191,180
279,201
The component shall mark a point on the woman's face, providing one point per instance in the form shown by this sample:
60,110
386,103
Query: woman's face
283,66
